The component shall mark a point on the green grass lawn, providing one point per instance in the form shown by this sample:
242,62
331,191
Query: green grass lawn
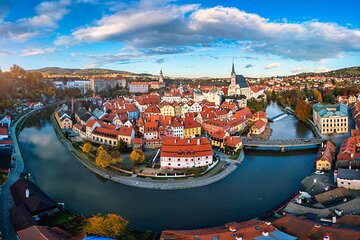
57,219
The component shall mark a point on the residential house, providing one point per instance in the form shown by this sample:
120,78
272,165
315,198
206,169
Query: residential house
325,156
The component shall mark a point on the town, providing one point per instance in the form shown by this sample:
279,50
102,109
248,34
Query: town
179,120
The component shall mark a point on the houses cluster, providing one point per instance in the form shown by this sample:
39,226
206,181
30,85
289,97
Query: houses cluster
32,204
287,227
147,121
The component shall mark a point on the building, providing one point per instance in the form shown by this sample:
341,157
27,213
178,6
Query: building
6,120
258,127
166,109
99,84
26,193
110,137
139,87
304,229
177,153
252,230
348,178
238,85
331,118
325,156
63,118
191,128
4,131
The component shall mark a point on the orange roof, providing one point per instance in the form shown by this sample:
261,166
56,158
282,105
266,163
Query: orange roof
232,141
259,124
191,123
177,147
305,229
137,141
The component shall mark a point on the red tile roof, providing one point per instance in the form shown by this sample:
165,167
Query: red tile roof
177,147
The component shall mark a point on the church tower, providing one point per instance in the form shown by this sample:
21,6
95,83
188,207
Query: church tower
161,77
233,75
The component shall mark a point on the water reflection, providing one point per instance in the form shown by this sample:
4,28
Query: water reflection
263,181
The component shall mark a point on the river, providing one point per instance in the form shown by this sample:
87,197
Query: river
261,182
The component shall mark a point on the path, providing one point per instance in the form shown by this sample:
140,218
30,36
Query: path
6,202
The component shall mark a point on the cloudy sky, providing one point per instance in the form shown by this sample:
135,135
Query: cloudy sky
184,38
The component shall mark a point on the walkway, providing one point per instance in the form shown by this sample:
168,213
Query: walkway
6,202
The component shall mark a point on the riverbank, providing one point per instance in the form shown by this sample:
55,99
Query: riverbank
147,183
6,202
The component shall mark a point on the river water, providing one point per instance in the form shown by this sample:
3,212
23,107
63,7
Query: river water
261,182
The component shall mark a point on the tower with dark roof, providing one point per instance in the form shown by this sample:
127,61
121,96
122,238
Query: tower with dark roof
238,85
161,77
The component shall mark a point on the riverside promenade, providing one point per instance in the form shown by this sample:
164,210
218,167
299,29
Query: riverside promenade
147,183
6,202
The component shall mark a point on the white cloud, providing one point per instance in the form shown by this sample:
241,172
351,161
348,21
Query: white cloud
321,69
48,15
4,53
36,51
273,65
155,23
299,70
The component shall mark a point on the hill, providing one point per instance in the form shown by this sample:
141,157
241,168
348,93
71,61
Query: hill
343,72
84,72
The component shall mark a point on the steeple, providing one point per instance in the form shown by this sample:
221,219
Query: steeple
233,69
161,77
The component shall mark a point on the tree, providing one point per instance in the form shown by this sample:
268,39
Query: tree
103,158
138,156
111,225
318,96
121,146
88,147
302,110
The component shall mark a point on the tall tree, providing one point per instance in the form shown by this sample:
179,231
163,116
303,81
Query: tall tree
302,110
318,96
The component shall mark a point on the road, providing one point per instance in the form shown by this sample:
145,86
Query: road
6,202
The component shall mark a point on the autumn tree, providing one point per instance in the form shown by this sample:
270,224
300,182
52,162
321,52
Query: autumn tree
103,158
88,147
318,96
138,156
302,110
110,225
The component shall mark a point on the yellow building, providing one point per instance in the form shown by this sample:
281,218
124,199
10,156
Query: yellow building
325,156
191,128
167,109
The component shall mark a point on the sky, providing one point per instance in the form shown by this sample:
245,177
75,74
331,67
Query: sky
183,38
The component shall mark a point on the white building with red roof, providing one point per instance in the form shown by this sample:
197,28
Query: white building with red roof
179,153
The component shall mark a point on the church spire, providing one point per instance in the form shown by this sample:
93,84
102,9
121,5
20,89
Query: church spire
233,68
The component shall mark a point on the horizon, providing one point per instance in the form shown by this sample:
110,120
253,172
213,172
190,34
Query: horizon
194,39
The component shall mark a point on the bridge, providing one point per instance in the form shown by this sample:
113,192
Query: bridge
278,117
282,144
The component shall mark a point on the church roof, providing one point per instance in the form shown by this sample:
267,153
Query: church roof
240,79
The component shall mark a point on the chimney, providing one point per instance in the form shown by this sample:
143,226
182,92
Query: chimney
27,193
198,141
189,141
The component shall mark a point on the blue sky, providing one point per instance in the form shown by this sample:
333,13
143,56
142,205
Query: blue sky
184,38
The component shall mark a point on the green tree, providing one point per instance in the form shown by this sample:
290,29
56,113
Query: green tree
138,156
121,146
111,225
